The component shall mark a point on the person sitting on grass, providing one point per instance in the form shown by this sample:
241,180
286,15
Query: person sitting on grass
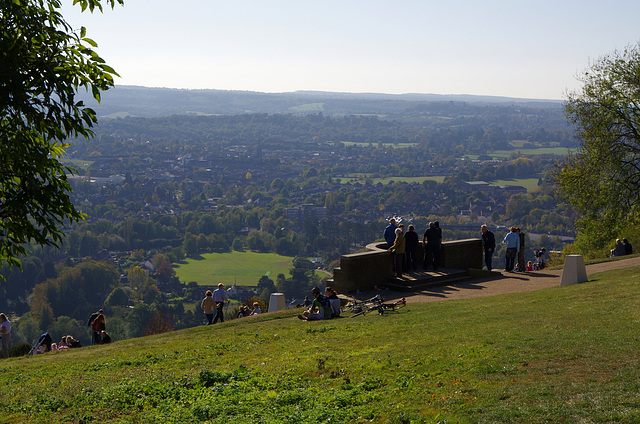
316,310
244,311
72,343
331,294
105,337
63,343
618,250
256,309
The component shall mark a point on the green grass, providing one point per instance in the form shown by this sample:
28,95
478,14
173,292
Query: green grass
362,177
560,355
77,163
504,154
530,184
375,144
242,268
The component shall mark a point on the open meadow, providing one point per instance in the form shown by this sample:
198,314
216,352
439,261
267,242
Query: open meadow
242,268
558,355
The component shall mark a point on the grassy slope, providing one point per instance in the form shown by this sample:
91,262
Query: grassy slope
243,268
562,355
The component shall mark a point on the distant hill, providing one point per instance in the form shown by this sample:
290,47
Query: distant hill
124,101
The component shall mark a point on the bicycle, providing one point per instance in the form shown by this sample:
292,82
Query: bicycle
354,305
383,307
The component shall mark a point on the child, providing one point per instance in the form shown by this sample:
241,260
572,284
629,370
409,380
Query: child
256,309
529,266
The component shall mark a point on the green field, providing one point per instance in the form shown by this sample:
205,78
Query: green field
366,144
529,183
505,154
558,355
362,177
77,163
242,268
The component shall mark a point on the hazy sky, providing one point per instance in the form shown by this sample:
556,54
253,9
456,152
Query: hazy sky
505,48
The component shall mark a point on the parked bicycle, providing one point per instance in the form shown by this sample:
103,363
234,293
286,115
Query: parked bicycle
375,303
354,305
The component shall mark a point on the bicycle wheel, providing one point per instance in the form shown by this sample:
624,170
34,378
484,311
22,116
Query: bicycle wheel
397,306
364,311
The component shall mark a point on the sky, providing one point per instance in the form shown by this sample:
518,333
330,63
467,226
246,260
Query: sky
508,48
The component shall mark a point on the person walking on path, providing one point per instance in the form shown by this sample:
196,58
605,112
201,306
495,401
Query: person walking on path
219,297
5,333
489,245
209,306
398,252
512,240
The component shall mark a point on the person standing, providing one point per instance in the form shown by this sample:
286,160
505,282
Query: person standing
431,242
512,240
398,252
219,297
5,333
489,245
95,335
209,306
99,326
521,264
410,245
437,254
390,233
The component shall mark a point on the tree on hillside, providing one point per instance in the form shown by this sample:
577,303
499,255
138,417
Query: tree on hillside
44,64
601,180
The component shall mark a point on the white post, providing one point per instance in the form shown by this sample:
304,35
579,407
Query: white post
276,302
574,271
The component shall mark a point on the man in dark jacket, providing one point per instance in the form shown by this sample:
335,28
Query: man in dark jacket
489,245
432,242
410,245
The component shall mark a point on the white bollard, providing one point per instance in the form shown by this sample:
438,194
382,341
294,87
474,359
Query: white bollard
276,302
574,271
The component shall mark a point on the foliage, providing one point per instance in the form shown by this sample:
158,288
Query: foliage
44,63
601,180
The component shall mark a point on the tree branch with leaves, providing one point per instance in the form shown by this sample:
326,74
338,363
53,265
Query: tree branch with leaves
44,62
602,179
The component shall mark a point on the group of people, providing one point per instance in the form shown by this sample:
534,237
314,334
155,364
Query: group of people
325,306
46,345
623,247
404,246
245,311
213,304
515,244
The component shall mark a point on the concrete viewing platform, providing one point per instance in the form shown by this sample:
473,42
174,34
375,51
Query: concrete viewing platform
423,279
364,271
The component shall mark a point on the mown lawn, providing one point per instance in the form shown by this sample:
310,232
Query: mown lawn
242,268
530,184
561,355
362,177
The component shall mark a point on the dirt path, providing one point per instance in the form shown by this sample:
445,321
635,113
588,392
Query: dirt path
509,283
